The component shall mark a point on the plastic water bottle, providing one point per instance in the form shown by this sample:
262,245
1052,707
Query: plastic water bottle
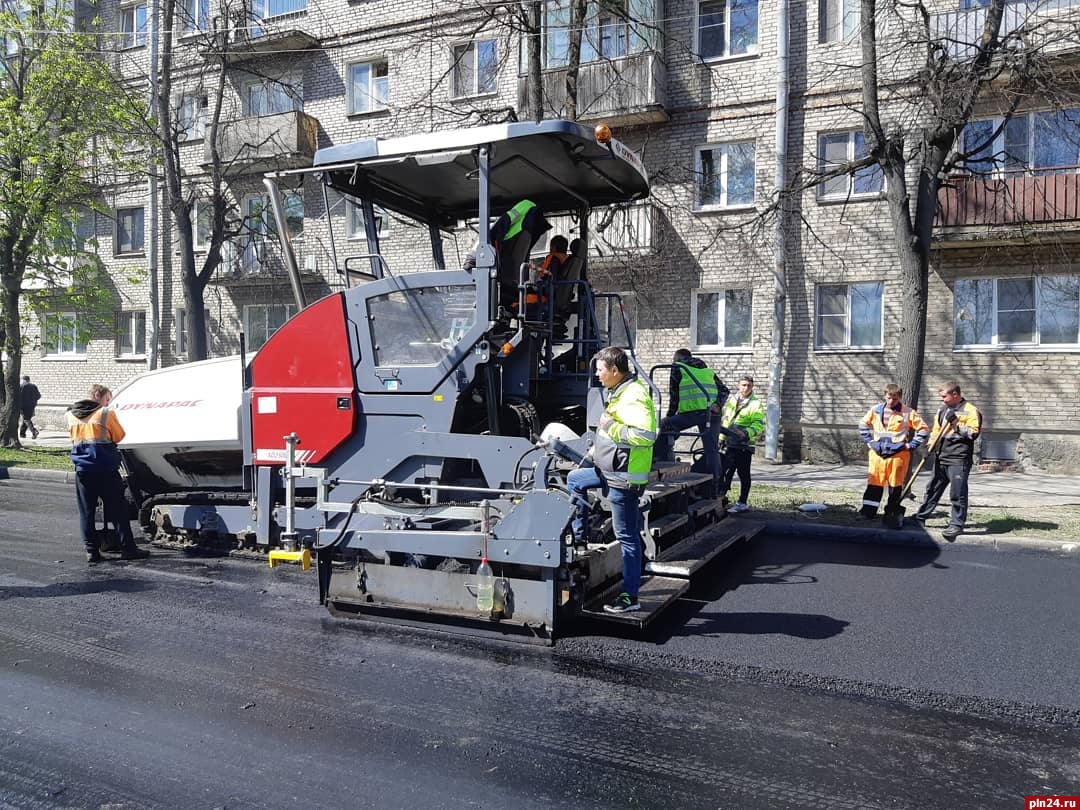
485,587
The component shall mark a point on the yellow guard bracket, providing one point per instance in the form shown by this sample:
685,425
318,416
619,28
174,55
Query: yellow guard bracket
302,557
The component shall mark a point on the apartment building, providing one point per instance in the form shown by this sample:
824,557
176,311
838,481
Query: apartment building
694,86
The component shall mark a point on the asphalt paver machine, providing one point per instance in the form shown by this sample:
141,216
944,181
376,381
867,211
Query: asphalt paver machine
426,417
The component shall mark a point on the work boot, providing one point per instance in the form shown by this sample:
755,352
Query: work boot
134,553
35,432
22,432
951,533
94,556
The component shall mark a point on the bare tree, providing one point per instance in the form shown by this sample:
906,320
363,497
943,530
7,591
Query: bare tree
923,76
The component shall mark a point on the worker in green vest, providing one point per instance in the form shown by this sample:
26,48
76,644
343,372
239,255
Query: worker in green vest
695,398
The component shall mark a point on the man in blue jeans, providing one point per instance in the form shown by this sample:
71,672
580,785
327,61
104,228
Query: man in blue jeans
622,458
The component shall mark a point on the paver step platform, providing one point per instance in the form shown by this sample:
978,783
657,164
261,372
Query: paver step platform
687,556
656,593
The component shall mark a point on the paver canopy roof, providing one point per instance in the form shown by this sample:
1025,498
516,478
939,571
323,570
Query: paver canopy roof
434,176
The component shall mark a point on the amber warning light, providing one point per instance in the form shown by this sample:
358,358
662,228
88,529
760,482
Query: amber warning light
603,134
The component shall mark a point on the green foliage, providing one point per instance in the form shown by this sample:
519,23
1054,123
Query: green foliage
63,109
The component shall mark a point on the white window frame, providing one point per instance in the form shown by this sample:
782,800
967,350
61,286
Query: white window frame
249,311
269,9
838,20
133,29
261,96
846,315
132,324
191,117
630,305
853,138
723,150
194,17
181,330
374,95
65,340
137,217
751,48
354,221
962,313
721,319
1000,148
467,54
201,223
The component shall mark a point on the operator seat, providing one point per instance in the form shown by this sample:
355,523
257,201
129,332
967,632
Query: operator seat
512,251
571,271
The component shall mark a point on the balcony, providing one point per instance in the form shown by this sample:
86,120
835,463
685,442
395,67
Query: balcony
281,141
1012,205
625,91
260,261
245,35
1038,22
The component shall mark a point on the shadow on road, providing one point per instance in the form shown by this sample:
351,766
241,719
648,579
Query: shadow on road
779,561
82,588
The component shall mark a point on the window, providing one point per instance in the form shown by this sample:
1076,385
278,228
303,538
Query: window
610,319
264,9
269,97
262,320
133,26
849,316
721,319
837,150
194,16
369,87
181,323
1033,311
837,19
725,175
476,67
191,118
1040,143
613,29
726,28
355,225
129,230
202,223
131,334
61,335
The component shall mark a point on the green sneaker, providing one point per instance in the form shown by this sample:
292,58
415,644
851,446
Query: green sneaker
623,604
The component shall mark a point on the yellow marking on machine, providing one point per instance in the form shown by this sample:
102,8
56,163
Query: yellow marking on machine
302,557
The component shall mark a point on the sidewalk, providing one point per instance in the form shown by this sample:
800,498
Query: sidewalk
1026,491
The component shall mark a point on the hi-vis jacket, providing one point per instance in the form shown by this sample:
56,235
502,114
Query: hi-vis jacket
624,449
94,431
748,414
889,432
957,446
697,389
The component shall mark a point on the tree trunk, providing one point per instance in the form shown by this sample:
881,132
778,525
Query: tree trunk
533,25
573,57
12,346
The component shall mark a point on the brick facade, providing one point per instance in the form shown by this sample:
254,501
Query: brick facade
707,103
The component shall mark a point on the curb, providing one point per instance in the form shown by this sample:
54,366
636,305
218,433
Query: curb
910,537
61,476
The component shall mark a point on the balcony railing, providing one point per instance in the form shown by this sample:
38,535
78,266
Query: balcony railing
260,259
622,91
282,140
1014,198
960,31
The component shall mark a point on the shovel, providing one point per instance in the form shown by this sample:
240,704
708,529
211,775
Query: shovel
918,469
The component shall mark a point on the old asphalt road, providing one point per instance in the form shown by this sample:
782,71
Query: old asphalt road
802,673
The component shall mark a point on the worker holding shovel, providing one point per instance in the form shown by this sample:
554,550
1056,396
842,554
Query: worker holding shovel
956,427
891,431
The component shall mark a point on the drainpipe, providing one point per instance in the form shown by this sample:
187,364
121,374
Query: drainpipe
776,355
153,319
